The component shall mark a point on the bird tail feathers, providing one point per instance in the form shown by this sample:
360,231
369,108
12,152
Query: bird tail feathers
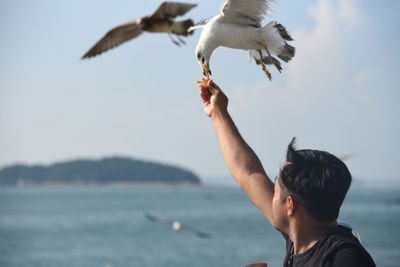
275,37
181,27
287,52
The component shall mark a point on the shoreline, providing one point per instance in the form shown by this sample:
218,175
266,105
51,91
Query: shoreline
111,184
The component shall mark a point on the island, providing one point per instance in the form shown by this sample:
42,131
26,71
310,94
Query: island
111,170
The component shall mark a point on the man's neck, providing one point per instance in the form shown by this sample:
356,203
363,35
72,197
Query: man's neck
306,234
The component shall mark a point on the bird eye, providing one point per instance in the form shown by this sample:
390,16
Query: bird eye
198,56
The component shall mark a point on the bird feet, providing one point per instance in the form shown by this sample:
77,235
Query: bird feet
272,59
263,66
176,42
266,72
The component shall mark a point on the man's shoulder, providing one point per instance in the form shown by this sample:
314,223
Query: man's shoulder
337,248
342,248
351,256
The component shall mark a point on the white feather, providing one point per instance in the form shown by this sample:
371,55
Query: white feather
246,12
198,25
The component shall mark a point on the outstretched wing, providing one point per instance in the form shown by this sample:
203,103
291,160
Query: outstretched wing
159,220
171,10
115,37
248,12
198,233
347,156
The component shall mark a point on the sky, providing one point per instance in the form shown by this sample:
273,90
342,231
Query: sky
339,94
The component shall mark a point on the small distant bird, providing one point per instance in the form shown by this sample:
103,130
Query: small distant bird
239,26
347,156
160,21
176,225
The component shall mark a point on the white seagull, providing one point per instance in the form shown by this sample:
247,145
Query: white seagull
238,25
176,225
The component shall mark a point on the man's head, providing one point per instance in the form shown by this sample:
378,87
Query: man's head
317,180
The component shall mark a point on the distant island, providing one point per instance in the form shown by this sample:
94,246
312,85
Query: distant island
111,170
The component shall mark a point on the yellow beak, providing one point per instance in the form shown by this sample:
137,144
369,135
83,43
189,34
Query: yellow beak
205,69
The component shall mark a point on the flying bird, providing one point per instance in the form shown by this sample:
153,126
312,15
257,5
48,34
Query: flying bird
161,21
176,225
238,26
347,156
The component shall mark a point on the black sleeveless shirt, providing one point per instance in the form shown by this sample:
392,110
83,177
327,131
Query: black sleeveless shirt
338,248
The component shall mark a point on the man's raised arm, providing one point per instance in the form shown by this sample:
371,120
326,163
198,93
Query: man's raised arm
242,162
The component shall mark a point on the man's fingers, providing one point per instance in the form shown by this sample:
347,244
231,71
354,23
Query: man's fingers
207,89
212,87
205,94
212,83
203,91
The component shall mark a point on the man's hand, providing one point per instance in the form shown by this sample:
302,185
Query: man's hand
215,101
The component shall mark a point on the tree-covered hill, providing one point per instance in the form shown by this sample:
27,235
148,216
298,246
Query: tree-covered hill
103,171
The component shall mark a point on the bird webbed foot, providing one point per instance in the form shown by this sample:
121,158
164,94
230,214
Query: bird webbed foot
267,73
172,40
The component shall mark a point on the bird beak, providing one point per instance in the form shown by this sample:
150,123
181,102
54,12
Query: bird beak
206,69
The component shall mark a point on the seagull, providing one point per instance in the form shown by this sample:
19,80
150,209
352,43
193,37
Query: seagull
238,26
347,156
176,225
160,21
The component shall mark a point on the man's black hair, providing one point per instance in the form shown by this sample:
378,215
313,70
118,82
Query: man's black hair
317,179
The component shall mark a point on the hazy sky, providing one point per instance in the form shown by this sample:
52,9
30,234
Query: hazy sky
340,93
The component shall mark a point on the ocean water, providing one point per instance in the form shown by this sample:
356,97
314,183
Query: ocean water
106,226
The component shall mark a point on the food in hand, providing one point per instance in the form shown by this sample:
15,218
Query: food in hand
204,81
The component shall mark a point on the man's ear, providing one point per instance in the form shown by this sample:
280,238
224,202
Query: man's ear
290,205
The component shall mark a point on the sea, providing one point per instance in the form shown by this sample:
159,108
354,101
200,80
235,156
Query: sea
106,226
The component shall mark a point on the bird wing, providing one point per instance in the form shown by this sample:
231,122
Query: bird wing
115,37
159,220
171,10
249,12
198,233
347,156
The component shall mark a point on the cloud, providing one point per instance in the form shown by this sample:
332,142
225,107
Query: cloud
324,52
321,68
362,76
349,12
329,97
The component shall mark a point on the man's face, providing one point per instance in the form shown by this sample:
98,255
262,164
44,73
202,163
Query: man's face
279,207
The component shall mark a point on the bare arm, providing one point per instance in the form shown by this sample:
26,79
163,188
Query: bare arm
241,160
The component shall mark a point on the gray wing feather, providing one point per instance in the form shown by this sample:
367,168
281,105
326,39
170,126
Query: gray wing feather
198,233
172,10
159,220
248,12
115,37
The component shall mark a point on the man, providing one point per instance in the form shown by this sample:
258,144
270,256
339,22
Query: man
305,199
